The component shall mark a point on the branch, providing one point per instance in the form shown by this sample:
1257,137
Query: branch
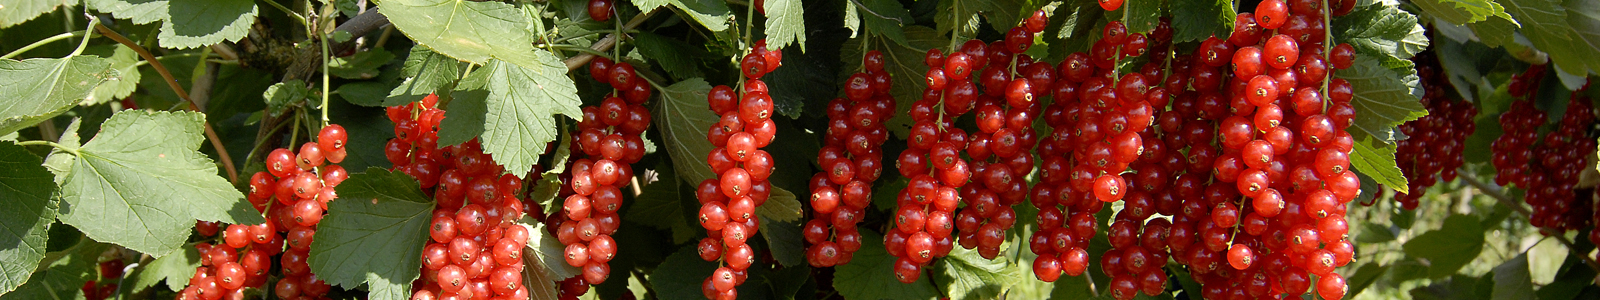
575,62
211,134
309,60
1494,192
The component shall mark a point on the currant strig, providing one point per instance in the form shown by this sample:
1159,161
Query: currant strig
728,202
609,138
1433,153
851,158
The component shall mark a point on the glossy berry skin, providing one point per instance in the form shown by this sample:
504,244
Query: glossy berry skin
600,10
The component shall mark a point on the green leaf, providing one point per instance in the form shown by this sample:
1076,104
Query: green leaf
660,207
784,240
538,279
883,18
126,64
364,93
870,275
175,269
1512,281
1542,18
904,64
676,57
786,23
711,14
679,277
1142,16
425,72
1447,249
284,95
1373,233
141,184
1196,20
373,234
684,120
63,278
1383,99
471,31
1364,277
1381,30
38,89
1461,12
187,23
1577,56
519,108
25,191
16,12
1376,160
362,65
549,254
959,15
781,206
1004,14
967,275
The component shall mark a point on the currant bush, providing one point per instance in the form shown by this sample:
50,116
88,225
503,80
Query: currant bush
852,158
728,202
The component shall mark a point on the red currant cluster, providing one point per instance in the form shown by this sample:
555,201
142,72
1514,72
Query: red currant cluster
852,158
475,246
302,184
609,138
1001,149
1547,168
1283,147
1433,152
728,202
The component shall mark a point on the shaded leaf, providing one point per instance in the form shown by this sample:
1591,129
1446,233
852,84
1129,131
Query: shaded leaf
1196,20
471,31
175,269
883,18
548,252
712,14
684,120
1450,247
870,275
126,64
25,190
1142,16
679,277
1512,281
373,234
425,72
784,240
676,57
362,65
63,278
660,206
1365,276
904,64
781,206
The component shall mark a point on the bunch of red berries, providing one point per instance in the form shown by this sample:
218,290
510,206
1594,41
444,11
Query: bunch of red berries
609,138
1433,153
852,158
728,202
1546,167
475,246
302,183
1002,148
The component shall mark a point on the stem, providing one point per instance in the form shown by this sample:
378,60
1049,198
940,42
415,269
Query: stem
869,11
46,143
325,80
585,50
43,42
297,17
211,134
1494,192
1327,53
575,62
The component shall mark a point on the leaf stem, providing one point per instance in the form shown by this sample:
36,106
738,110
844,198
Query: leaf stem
1495,192
46,143
575,62
211,134
325,80
585,50
43,42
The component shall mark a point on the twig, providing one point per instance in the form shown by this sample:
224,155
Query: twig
43,42
869,11
211,134
225,52
1494,192
575,62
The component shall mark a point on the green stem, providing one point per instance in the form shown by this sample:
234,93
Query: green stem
48,143
297,17
1327,53
325,80
582,49
84,43
43,42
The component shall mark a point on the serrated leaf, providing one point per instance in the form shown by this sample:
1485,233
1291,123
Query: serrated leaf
1461,12
713,15
364,93
1496,33
885,18
1196,20
126,64
536,277
63,278
140,12
870,275
25,190
684,120
1512,280
679,277
786,24
904,64
362,65
1381,30
198,23
284,95
1005,14
16,12
38,89
1383,99
676,57
1577,56
425,72
141,183
1364,276
175,269
781,206
373,234
967,275
1142,16
1450,247
1376,160
519,109
1545,18
471,31
784,240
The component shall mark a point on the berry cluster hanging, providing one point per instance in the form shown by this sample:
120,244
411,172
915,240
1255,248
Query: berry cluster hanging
1548,167
728,202
1433,152
609,139
851,158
